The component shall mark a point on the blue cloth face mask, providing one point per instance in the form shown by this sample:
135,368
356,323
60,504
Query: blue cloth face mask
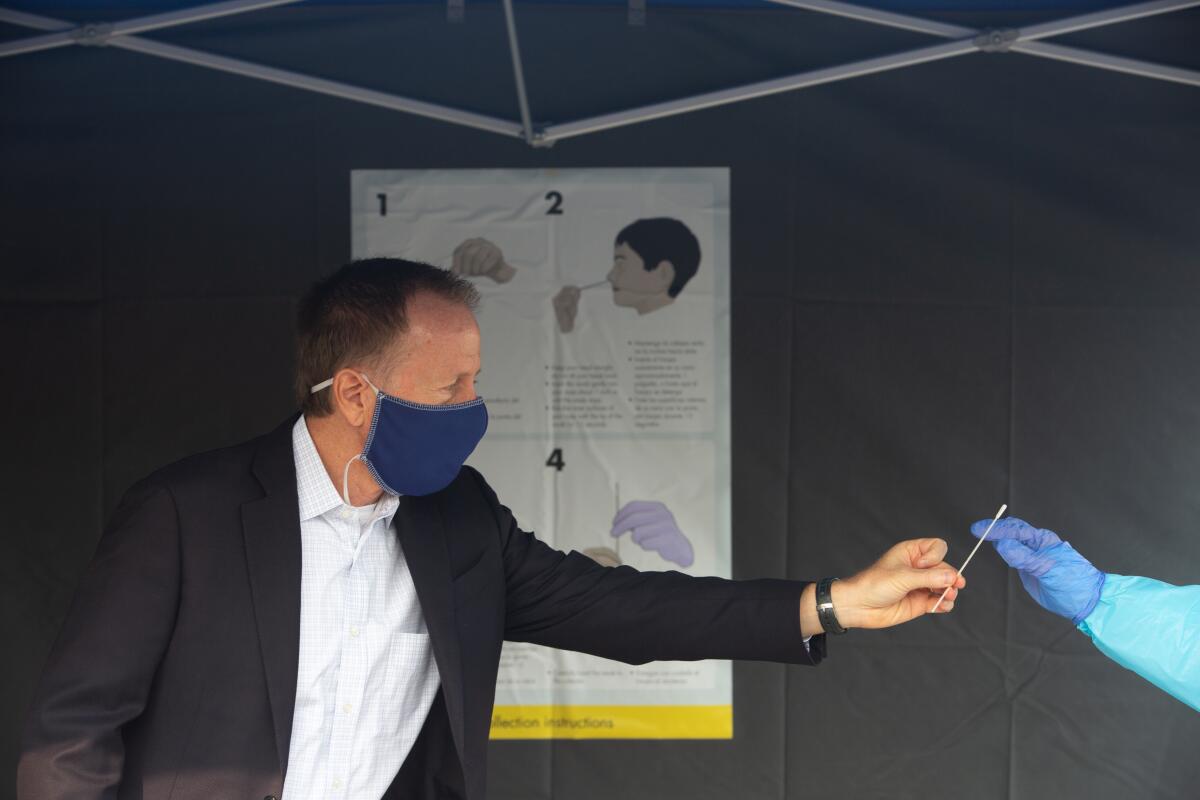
414,448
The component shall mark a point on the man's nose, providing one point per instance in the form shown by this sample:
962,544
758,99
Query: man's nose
612,275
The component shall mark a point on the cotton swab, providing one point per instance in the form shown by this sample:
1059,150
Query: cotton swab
1000,513
617,498
592,285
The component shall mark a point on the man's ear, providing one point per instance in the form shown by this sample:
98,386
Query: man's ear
665,273
352,397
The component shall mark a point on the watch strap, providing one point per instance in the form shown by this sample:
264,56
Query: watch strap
825,610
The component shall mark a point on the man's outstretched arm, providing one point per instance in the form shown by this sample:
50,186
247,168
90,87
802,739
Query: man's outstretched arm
568,601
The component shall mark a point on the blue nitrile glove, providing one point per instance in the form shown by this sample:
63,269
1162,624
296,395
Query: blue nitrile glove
1054,574
654,527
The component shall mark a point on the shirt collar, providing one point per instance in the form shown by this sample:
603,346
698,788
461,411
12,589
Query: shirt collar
316,492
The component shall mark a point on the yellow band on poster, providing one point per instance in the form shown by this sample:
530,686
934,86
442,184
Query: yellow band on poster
612,722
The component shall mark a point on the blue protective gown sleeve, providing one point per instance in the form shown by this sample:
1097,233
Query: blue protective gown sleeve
1152,628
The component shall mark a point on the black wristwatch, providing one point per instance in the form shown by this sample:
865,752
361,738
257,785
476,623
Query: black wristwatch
825,612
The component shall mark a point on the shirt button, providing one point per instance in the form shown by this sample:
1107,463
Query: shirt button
347,708
354,631
337,783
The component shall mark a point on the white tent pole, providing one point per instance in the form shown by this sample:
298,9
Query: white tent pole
518,73
1109,16
33,44
1025,40
271,74
99,33
197,14
27,20
319,85
878,17
1091,58
726,96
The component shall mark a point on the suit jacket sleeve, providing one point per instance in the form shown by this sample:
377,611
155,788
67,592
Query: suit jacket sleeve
568,601
102,664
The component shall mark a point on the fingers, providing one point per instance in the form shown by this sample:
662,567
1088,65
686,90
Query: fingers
465,257
647,533
668,541
931,551
639,511
937,578
1016,554
946,606
566,306
1014,529
476,257
1007,528
642,521
959,581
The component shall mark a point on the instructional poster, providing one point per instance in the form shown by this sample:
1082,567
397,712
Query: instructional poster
605,323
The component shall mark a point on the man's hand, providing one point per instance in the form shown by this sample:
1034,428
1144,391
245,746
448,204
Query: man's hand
480,258
566,306
902,585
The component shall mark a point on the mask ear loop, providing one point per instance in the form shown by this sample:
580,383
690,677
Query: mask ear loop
373,386
346,481
359,457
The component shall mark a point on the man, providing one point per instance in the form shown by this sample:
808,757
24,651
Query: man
1147,626
318,613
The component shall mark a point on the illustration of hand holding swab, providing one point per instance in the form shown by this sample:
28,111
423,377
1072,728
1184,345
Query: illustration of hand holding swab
566,304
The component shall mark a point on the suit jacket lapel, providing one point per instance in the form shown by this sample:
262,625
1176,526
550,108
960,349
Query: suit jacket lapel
271,527
423,538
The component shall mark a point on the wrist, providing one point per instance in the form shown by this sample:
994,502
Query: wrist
843,593
810,622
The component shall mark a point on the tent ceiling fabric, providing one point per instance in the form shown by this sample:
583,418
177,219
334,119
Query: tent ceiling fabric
908,41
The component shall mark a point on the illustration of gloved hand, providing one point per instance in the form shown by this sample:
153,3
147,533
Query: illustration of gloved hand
654,528
479,257
1054,574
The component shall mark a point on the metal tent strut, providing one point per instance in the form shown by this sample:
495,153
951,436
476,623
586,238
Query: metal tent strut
965,40
125,34
111,35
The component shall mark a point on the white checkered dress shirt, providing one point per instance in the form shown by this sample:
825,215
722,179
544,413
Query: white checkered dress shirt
367,677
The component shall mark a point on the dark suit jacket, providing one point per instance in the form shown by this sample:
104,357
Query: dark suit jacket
174,674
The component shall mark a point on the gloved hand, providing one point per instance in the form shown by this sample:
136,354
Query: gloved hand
654,528
1054,574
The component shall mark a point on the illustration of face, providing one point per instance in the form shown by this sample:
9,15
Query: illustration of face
632,283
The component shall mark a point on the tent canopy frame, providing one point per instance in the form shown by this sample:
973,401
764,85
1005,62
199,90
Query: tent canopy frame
126,34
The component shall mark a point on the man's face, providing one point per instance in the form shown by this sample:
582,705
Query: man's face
437,360
632,284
